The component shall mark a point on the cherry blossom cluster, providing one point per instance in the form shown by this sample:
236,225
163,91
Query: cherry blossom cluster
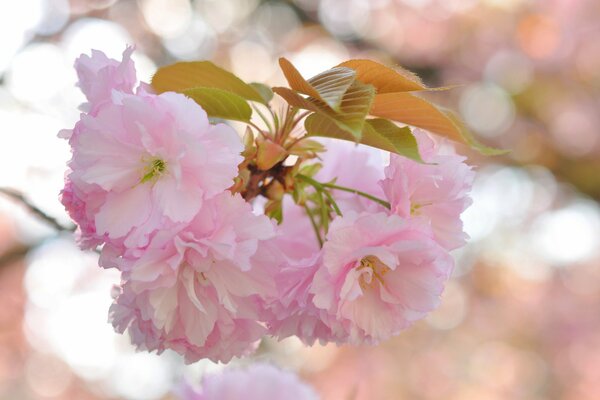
206,273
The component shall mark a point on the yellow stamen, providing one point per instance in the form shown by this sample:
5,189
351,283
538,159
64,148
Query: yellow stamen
377,267
156,168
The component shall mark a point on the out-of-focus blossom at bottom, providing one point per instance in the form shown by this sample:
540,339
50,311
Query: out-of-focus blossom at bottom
257,382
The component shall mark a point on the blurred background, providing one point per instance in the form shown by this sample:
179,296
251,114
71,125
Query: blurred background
521,317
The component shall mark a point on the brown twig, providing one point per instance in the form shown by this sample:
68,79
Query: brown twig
13,194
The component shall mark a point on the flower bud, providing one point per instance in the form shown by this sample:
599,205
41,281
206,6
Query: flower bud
269,153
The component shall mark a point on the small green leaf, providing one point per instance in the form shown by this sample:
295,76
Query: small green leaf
265,91
306,146
354,107
327,87
386,135
310,170
274,209
332,85
296,100
379,133
181,76
220,103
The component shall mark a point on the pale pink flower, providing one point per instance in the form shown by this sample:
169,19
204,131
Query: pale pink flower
436,192
145,162
293,313
353,166
201,290
99,76
80,212
256,382
380,273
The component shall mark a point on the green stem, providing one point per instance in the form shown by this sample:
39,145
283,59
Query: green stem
262,133
263,118
333,203
343,188
314,225
322,190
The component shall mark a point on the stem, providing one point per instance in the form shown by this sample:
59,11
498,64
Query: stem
358,192
252,124
321,190
345,189
333,203
314,225
35,210
300,116
288,123
263,118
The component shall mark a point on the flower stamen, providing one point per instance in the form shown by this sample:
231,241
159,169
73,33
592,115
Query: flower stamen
156,168
376,267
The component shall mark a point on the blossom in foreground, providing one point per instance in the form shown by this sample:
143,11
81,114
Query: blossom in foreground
436,192
201,290
380,273
147,161
255,382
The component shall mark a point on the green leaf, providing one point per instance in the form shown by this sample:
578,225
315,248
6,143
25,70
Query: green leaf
331,85
181,76
354,107
265,91
296,100
310,170
220,103
274,209
327,87
416,111
386,135
306,146
379,133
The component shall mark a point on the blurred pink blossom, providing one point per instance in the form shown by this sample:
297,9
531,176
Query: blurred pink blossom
256,382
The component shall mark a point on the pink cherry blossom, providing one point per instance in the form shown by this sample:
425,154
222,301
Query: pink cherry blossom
147,161
201,290
436,192
354,166
255,382
293,313
80,212
380,273
99,76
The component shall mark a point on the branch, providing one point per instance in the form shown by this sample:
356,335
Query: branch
13,194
